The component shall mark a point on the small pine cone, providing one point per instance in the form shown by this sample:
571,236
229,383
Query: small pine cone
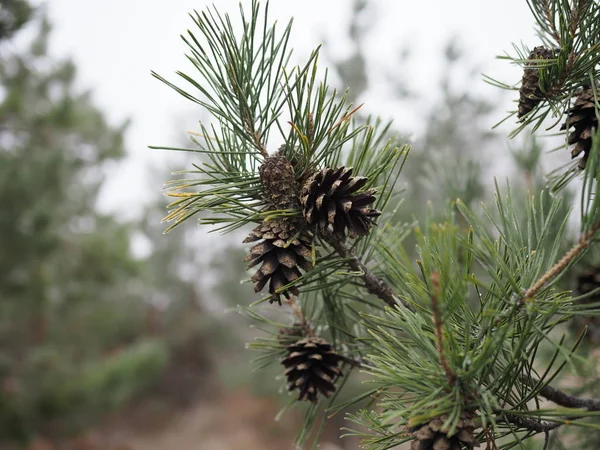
283,251
331,202
581,122
530,93
311,368
430,436
279,182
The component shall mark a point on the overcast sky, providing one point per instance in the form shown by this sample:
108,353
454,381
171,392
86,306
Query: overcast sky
116,43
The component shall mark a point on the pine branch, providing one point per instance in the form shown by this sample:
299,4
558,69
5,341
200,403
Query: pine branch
583,243
569,401
375,285
570,29
576,16
549,16
537,425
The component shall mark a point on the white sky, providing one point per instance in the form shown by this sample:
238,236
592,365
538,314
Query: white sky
115,44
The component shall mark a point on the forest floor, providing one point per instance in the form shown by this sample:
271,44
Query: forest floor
229,421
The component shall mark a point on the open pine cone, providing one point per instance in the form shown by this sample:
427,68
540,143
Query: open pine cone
286,245
283,251
581,123
430,436
332,203
311,368
530,93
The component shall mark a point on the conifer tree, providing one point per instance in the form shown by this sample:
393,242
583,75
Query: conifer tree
460,342
76,332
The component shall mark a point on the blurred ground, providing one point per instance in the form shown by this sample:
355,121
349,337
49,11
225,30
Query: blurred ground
235,420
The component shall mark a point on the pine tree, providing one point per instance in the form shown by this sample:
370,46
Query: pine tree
461,340
75,337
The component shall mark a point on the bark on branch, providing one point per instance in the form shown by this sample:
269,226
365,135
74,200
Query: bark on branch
375,285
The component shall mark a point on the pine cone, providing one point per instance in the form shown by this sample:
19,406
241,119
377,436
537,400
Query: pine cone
330,202
279,182
282,252
312,368
430,436
530,93
582,117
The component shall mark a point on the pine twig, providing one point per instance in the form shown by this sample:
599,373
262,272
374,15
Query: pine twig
537,425
295,308
569,401
550,21
375,285
583,243
437,323
576,15
299,315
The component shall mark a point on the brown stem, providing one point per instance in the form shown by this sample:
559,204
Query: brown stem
375,285
437,323
569,401
550,20
576,15
541,426
299,315
583,243
295,308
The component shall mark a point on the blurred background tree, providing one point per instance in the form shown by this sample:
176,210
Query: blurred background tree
85,324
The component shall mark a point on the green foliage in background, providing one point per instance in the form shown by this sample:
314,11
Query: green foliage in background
85,327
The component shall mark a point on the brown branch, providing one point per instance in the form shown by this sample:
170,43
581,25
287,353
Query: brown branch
569,401
541,426
584,242
560,398
299,315
576,15
550,20
375,285
437,323
295,308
